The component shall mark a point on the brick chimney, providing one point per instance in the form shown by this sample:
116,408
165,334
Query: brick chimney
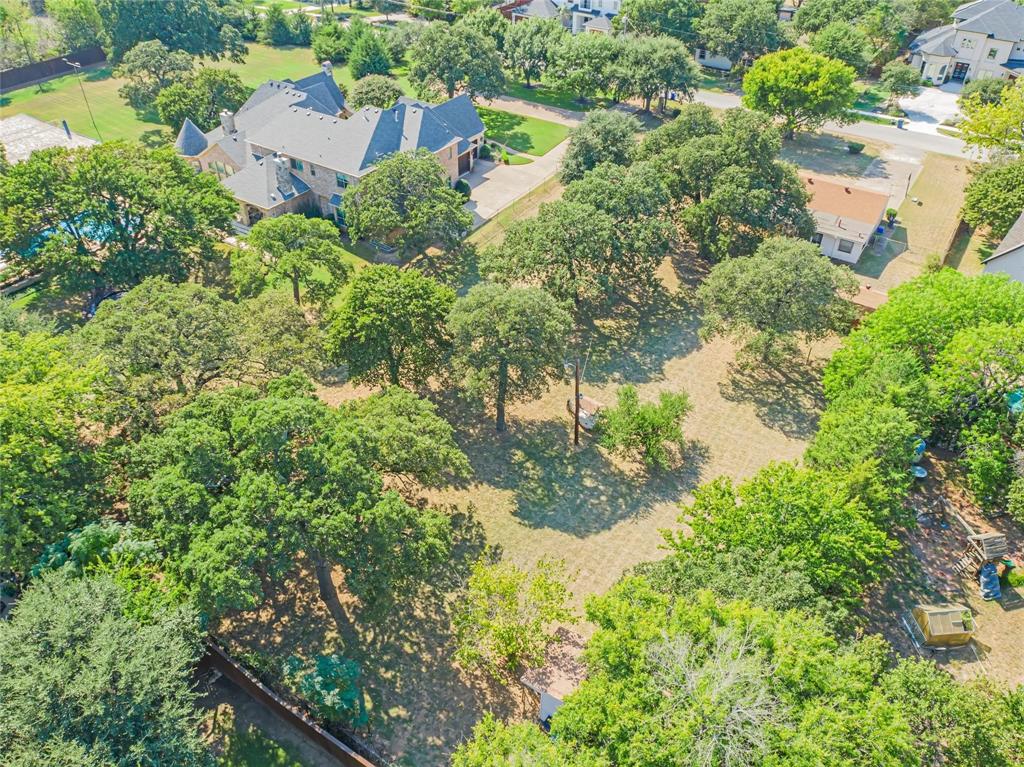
328,68
283,173
227,121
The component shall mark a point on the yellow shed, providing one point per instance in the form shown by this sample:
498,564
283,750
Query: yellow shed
947,625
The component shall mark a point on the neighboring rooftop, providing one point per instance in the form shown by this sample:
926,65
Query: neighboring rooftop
848,211
22,135
1002,19
1012,243
563,668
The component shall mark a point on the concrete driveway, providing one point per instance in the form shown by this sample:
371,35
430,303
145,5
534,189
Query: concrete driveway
496,186
932,106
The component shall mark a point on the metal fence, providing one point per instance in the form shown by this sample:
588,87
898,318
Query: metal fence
19,77
217,658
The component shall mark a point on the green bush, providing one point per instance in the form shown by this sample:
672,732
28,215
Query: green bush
988,460
462,188
641,430
504,156
854,147
485,152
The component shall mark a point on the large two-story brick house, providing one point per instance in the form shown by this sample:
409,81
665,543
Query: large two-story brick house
986,39
293,146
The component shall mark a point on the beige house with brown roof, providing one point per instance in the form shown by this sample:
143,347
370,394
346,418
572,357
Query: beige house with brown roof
846,217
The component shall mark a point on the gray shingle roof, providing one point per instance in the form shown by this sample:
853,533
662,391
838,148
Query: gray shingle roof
459,115
191,140
600,24
259,184
1002,19
1012,242
353,145
324,89
538,9
936,42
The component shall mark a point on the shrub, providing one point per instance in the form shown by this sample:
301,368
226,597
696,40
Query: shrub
485,152
854,147
641,430
989,463
504,156
331,685
462,187
987,90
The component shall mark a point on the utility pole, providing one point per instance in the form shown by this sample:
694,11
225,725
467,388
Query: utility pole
576,425
78,73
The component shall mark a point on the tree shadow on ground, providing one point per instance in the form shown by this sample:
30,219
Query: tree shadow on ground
786,395
644,332
420,704
578,491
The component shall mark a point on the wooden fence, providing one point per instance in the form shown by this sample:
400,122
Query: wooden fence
217,658
19,77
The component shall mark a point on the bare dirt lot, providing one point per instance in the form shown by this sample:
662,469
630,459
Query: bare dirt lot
923,574
533,496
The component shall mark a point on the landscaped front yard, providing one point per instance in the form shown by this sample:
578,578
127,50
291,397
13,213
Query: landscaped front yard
521,133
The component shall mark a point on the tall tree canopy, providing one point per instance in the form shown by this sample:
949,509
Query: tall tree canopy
565,248
50,471
996,125
194,26
390,326
81,680
509,343
659,17
108,216
653,66
449,58
375,91
783,292
730,189
149,67
407,201
842,41
304,252
604,136
637,200
582,64
995,197
803,89
530,46
162,344
237,484
201,98
741,29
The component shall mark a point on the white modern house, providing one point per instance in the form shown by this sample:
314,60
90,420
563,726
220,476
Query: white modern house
846,217
986,39
1008,258
581,16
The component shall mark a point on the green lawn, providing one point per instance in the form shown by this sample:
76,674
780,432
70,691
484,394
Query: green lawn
285,4
252,748
870,96
61,99
523,134
546,94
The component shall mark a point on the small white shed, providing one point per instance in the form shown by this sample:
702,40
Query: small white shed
561,674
